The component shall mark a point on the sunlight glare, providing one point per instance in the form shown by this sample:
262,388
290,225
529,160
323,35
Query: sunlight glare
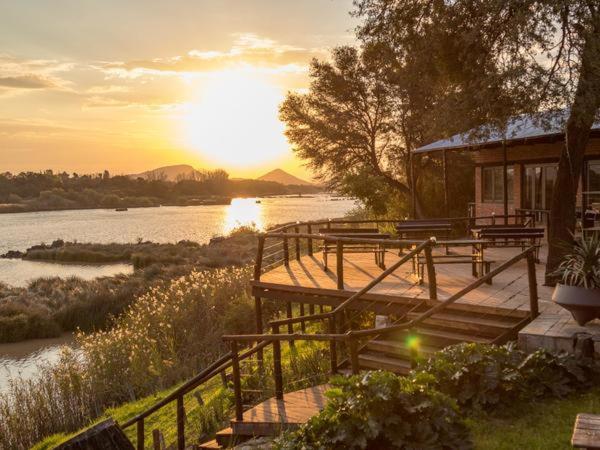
234,121
243,211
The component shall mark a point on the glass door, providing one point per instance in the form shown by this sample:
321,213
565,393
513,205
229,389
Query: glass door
538,186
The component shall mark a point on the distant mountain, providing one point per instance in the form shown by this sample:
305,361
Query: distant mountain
167,173
281,176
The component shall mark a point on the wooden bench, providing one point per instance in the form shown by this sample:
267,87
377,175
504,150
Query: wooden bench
586,432
510,236
424,229
474,259
367,233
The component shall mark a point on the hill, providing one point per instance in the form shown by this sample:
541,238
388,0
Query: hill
282,177
167,173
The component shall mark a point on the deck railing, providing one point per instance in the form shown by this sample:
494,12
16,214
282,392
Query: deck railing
351,337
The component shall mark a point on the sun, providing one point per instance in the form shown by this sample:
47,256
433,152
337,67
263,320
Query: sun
233,121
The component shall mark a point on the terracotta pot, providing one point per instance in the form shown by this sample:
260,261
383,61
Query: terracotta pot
582,303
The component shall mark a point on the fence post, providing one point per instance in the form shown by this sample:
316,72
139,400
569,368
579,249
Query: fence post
259,329
302,324
431,277
309,242
353,350
297,231
156,439
180,424
140,435
259,257
286,250
277,366
332,345
288,307
533,293
340,264
237,383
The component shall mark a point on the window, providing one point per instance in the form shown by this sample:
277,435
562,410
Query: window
493,184
539,184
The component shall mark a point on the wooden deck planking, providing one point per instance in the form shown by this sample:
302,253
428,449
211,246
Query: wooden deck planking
272,416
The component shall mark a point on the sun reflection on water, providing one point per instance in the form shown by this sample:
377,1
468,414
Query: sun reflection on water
244,211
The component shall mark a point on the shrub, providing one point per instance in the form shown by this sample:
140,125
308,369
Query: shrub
581,265
480,376
379,410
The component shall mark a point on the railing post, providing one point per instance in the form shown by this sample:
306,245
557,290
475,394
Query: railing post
431,277
533,293
259,257
237,382
297,231
180,424
332,345
156,439
288,307
277,372
302,324
309,242
340,264
286,250
259,329
353,351
140,435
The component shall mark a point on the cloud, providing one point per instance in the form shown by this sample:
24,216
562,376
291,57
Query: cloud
26,82
247,49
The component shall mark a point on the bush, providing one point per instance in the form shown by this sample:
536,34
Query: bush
379,410
480,376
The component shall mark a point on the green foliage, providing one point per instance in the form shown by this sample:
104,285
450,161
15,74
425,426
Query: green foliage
484,376
581,264
379,410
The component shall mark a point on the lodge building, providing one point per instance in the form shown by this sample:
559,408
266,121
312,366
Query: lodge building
515,172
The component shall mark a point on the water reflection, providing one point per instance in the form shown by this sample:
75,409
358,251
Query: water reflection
244,212
22,359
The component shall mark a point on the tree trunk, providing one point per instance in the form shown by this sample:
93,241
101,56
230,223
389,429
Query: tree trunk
570,165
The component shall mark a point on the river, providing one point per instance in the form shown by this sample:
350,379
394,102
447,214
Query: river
164,224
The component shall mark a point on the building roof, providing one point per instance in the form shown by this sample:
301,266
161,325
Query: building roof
521,128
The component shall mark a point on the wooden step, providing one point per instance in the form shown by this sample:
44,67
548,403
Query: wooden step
443,338
480,325
398,348
376,361
210,445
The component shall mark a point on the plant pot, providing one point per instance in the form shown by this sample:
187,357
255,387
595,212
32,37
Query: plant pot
582,303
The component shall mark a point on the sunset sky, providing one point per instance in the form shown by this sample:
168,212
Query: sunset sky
87,85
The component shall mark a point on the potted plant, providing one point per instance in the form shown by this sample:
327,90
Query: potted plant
578,290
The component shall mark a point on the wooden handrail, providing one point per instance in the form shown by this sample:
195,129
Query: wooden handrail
452,299
221,364
357,295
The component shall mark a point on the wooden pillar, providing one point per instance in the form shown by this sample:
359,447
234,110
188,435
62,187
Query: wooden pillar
340,264
180,424
309,242
277,372
445,170
237,382
505,181
413,188
140,435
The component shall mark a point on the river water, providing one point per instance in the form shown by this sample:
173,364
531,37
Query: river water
164,224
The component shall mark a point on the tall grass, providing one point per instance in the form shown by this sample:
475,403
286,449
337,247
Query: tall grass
168,334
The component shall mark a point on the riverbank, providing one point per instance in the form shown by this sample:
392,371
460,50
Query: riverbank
48,307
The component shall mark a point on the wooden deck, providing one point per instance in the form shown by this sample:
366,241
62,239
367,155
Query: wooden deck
554,329
273,416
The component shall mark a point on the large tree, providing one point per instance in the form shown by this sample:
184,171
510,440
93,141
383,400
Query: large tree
495,59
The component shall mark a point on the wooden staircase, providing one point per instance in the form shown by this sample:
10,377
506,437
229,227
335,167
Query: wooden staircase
395,352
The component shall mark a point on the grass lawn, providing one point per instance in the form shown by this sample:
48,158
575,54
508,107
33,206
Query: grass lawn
546,424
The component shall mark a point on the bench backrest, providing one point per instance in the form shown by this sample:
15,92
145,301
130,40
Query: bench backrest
423,225
511,232
348,231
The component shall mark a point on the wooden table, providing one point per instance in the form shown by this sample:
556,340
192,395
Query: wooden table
586,432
